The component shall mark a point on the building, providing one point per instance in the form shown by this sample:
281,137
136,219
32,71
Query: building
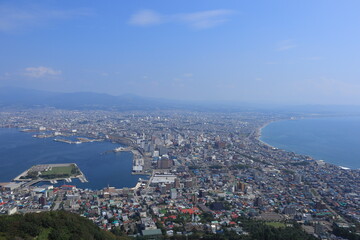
319,229
241,187
173,193
258,202
11,186
289,211
68,187
164,163
152,234
163,178
297,178
137,168
12,211
42,200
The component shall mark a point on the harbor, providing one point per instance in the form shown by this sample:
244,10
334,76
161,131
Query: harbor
141,164
50,173
99,169
79,140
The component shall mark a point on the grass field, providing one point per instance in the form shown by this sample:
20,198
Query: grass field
59,171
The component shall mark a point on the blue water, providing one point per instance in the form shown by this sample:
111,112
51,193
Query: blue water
335,140
19,151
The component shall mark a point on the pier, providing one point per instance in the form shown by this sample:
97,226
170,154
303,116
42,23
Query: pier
66,141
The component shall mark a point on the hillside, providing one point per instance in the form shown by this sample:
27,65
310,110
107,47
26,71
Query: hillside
58,225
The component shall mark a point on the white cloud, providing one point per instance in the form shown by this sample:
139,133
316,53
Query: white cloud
41,72
145,18
286,45
13,18
205,19
198,20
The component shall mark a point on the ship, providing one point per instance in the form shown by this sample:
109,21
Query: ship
119,149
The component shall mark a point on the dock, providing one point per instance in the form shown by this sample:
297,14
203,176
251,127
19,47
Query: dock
26,182
83,179
66,141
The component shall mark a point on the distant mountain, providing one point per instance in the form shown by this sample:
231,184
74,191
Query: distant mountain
29,98
20,98
11,97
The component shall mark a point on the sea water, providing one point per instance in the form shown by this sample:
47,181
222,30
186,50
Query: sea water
334,140
19,151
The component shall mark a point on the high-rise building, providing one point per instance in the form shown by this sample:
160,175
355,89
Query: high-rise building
42,200
162,150
297,178
177,183
194,198
241,187
258,202
173,193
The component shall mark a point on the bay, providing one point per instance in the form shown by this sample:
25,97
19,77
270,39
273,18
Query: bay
19,151
334,140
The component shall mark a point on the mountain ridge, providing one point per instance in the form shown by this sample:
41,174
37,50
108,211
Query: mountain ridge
23,98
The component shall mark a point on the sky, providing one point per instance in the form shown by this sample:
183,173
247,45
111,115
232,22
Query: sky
292,52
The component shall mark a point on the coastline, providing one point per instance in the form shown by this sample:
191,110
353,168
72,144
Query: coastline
260,141
259,132
94,177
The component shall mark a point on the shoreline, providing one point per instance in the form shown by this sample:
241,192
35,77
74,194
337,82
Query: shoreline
259,134
20,130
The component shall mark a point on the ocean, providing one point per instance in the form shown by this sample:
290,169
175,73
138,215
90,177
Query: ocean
334,140
19,151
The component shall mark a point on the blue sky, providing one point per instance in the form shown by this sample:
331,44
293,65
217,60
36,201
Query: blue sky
293,52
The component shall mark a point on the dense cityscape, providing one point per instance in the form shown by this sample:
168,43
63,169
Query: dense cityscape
179,120
207,171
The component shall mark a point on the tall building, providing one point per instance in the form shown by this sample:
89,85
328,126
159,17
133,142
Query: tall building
177,183
162,150
258,202
297,178
241,187
42,200
194,198
173,193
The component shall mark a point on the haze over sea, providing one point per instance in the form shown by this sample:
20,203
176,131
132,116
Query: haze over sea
334,140
19,151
